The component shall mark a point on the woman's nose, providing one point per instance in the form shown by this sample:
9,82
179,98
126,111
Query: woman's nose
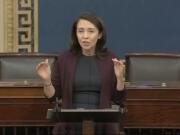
85,35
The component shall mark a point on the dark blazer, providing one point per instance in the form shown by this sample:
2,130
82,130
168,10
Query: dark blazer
63,81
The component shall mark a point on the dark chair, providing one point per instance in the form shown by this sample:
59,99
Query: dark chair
152,67
15,66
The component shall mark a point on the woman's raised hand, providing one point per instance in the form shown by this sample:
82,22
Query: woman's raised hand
43,70
119,68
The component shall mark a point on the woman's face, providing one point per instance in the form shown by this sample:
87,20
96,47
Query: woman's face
87,35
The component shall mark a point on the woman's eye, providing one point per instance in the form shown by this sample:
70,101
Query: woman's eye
91,31
79,31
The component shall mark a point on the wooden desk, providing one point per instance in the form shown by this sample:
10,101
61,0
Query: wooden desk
23,103
153,106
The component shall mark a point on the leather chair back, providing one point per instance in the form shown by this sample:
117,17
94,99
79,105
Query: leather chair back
15,66
150,67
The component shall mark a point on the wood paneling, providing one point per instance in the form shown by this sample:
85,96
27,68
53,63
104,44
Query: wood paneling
23,105
147,107
153,107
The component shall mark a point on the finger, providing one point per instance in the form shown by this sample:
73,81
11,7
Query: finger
115,62
46,61
37,67
114,59
122,62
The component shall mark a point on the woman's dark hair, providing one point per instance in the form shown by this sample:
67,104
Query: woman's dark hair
94,19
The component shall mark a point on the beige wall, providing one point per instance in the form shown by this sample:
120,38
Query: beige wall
1,25
11,37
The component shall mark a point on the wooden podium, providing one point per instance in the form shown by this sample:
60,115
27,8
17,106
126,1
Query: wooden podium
86,116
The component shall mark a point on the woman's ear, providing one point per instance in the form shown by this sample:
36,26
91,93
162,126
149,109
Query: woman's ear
100,35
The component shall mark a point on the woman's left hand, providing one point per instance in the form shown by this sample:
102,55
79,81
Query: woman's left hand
119,68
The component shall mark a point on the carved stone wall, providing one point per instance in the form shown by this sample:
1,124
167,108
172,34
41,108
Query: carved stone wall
21,26
9,26
1,26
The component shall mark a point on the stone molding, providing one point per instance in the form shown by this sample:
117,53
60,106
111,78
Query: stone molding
20,26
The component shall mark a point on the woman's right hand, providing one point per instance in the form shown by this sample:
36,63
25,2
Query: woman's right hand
44,71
